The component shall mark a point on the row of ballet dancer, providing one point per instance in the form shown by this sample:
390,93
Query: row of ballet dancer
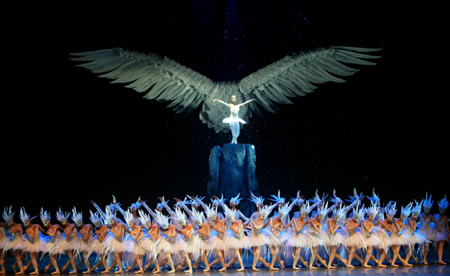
185,237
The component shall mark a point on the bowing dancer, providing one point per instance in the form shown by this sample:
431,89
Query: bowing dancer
299,239
316,236
354,239
168,241
188,243
17,243
398,238
86,238
204,240
150,240
35,242
238,241
97,245
414,237
369,232
133,245
70,238
335,237
55,242
218,237
114,243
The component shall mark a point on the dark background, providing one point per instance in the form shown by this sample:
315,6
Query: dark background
69,136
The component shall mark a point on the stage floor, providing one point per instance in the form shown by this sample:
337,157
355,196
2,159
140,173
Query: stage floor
419,269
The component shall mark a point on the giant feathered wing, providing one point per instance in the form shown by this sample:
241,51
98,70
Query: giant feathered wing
163,79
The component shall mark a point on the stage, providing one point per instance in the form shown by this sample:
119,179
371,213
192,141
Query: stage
416,269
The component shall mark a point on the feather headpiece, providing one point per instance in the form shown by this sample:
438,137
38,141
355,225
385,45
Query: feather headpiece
62,216
338,213
427,203
322,211
109,214
160,206
136,205
230,214
198,217
374,197
406,211
179,204
300,201
257,200
24,217
235,200
145,219
284,210
443,204
354,197
215,202
8,215
305,210
180,217
162,220
45,217
211,213
77,217
417,209
358,213
129,218
277,199
266,210
317,198
335,199
113,207
391,211
372,211
95,218
194,202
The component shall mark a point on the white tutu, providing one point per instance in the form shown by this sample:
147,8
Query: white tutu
114,244
333,240
260,237
167,245
231,120
298,239
134,247
3,238
354,240
96,246
441,236
399,239
315,239
17,242
69,243
278,238
428,233
219,241
372,239
36,244
238,241
54,245
188,245
414,237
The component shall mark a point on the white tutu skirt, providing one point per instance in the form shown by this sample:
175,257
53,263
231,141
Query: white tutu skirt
167,246
399,239
96,246
415,237
428,233
383,236
134,247
16,243
356,240
3,242
372,240
260,239
114,244
54,245
71,243
298,239
149,245
219,241
336,239
278,238
236,242
205,243
315,239
188,245
231,120
35,245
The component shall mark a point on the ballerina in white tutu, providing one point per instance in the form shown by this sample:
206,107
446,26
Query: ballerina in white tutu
335,235
55,243
259,235
114,243
70,239
234,119
187,243
370,234
133,245
414,237
17,243
219,237
238,241
354,239
35,242
168,241
149,241
299,239
86,238
101,233
317,237
398,238
205,243
441,229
